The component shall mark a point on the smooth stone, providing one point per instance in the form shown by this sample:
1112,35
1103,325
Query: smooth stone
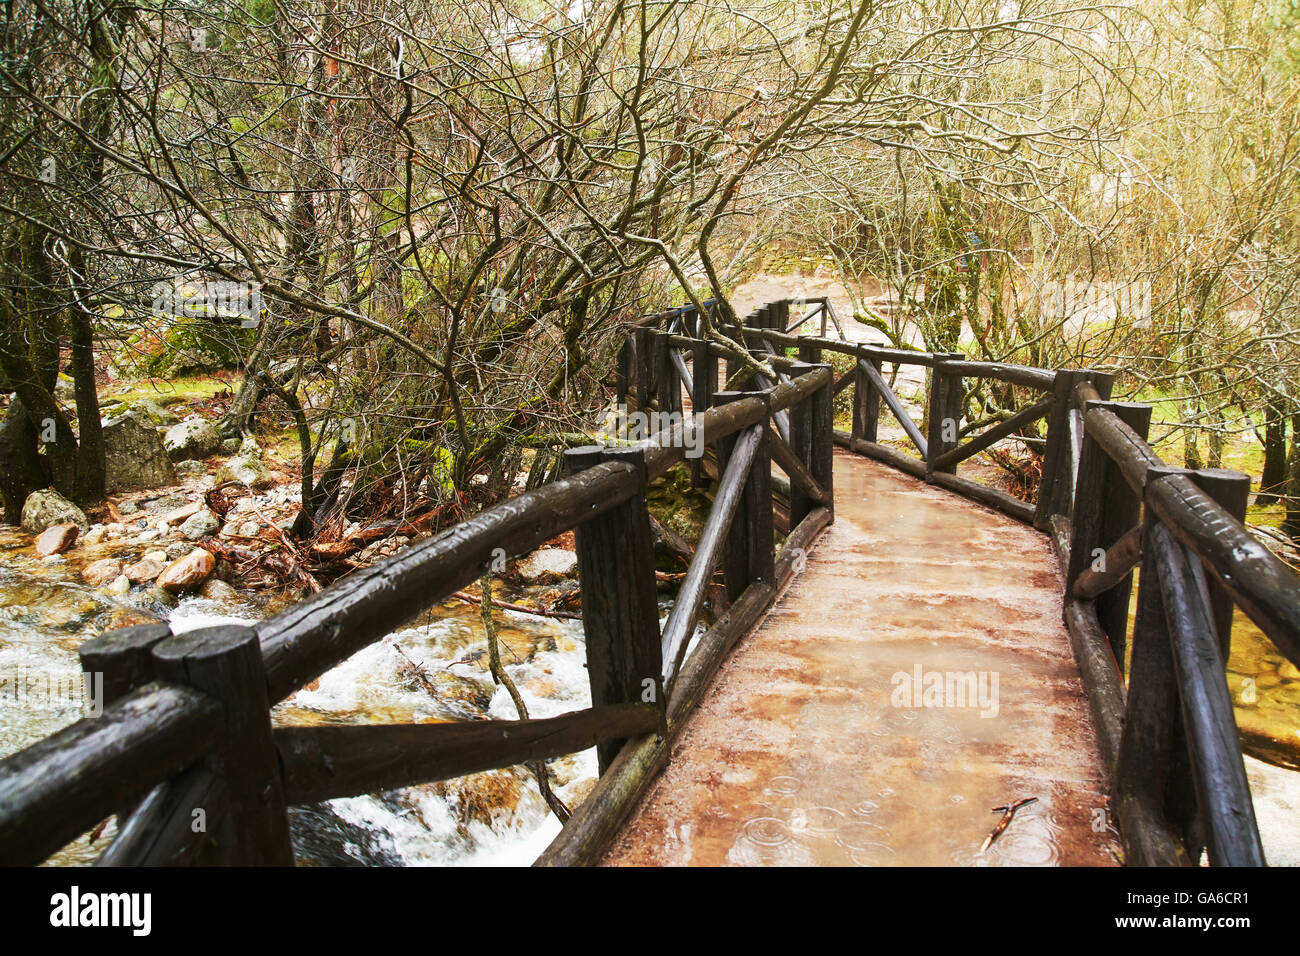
57,539
101,572
200,525
144,570
187,573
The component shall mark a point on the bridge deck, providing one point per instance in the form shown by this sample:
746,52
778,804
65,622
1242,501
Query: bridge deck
806,749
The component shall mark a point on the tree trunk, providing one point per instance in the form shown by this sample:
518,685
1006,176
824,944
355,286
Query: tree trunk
1291,523
1273,481
21,469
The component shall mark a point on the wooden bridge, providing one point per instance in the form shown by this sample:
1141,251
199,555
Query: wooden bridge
892,650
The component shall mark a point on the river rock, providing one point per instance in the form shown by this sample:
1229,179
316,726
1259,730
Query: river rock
56,539
247,471
200,525
215,589
153,598
547,566
131,617
230,446
120,587
101,572
134,454
192,438
187,573
143,570
46,508
95,535
250,529
191,467
183,512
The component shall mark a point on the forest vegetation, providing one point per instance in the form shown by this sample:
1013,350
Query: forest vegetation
414,234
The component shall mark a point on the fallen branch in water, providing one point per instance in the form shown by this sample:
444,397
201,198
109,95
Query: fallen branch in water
499,676
506,606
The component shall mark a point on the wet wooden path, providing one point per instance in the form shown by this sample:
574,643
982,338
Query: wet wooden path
813,745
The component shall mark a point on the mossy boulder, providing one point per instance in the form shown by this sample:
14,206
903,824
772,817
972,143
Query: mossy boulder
248,471
47,508
192,438
144,407
134,455
183,347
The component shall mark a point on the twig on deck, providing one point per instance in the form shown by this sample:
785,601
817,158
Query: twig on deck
1007,813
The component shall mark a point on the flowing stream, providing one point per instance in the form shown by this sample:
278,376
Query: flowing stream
435,670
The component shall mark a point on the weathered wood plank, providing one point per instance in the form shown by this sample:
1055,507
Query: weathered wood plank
620,614
226,664
323,763
61,786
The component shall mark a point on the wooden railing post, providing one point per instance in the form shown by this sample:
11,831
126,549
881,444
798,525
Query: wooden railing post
810,352
866,401
620,614
823,437
802,428
1231,489
123,657
704,376
943,416
251,827
668,387
645,367
1054,489
1105,508
623,370
749,553
1152,738
117,663
704,382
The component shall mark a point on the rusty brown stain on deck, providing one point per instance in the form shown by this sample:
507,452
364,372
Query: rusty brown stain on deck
803,750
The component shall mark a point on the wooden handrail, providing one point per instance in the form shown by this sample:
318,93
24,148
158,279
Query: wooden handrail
62,785
324,763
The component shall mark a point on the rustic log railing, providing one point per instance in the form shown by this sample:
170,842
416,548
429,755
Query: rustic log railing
186,758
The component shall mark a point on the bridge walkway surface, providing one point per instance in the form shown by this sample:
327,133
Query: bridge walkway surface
817,743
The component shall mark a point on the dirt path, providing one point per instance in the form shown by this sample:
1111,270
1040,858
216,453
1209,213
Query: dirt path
806,749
